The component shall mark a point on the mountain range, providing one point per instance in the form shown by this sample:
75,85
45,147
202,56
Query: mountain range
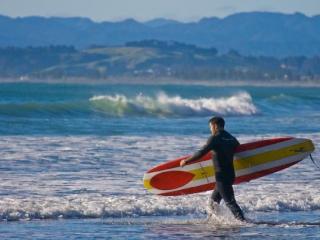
253,33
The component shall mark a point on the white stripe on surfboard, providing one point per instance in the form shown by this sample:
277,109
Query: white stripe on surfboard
268,148
272,164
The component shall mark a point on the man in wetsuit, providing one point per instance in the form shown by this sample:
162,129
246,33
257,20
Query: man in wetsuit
223,145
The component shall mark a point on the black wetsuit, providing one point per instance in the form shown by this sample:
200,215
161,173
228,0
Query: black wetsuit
223,145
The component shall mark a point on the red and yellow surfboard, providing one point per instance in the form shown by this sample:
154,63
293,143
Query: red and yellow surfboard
251,161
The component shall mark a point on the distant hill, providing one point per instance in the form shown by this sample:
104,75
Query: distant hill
160,22
254,33
152,59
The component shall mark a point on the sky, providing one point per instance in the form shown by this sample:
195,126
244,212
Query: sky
143,10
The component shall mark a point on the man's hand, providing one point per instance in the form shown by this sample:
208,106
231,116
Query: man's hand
183,163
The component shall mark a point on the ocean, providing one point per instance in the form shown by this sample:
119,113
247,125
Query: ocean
73,157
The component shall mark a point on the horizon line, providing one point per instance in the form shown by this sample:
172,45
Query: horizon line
157,18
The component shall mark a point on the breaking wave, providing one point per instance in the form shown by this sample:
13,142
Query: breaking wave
176,106
118,105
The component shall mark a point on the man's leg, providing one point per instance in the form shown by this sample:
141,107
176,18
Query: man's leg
215,198
226,192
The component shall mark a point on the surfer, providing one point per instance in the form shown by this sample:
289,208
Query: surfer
223,145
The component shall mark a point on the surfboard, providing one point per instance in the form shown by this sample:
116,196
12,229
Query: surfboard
251,161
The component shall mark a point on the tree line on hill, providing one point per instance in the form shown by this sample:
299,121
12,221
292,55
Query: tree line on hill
152,58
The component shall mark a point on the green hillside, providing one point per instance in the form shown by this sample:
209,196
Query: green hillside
152,59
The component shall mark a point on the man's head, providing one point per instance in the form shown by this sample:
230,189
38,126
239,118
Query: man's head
216,124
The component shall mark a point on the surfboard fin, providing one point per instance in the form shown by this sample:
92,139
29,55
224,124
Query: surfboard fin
314,161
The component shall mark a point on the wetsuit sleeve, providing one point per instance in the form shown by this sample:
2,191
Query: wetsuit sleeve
204,150
236,143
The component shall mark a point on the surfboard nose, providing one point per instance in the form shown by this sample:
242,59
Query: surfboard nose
171,180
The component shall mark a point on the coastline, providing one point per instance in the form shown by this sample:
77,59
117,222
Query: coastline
164,81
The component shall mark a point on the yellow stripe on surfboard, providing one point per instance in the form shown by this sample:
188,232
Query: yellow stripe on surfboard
146,184
201,173
273,155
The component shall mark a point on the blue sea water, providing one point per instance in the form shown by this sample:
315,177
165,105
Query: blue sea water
73,158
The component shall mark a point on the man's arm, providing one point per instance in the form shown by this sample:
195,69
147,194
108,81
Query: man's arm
236,143
199,154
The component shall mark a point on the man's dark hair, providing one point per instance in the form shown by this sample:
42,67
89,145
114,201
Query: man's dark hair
217,120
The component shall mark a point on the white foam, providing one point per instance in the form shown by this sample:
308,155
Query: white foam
164,105
98,206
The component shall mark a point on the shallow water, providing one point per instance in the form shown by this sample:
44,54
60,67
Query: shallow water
73,157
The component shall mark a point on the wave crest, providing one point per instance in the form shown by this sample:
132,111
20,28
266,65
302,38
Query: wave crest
164,105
